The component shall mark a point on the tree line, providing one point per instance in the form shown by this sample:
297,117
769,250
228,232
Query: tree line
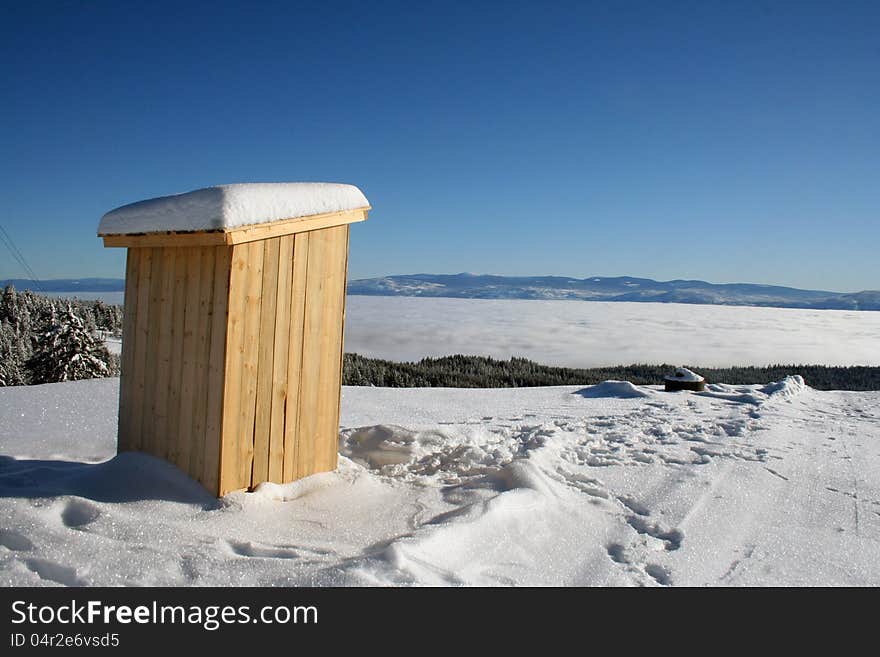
483,372
46,340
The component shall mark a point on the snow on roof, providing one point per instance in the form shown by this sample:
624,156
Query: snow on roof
231,206
684,374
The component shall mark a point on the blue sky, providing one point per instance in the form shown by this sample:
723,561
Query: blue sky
723,141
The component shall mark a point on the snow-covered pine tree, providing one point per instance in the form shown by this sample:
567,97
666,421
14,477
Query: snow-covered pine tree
15,349
8,304
68,351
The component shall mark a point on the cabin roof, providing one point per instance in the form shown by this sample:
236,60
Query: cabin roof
227,207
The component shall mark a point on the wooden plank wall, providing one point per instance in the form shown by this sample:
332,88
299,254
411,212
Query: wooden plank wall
232,356
126,434
172,338
284,346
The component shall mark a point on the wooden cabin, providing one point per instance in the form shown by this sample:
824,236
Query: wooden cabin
233,328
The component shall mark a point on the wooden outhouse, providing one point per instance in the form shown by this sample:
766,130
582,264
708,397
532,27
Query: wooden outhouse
233,328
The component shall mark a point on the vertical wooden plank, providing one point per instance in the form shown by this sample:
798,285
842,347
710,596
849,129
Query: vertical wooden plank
136,383
177,442
294,361
342,301
309,422
216,330
148,414
163,361
231,405
327,409
280,362
188,457
250,362
203,266
266,360
125,435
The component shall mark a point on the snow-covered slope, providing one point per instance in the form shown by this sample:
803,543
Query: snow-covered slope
612,484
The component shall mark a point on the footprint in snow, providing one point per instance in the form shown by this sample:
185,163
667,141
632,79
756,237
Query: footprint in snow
54,572
617,553
77,513
15,541
261,550
672,538
634,506
659,574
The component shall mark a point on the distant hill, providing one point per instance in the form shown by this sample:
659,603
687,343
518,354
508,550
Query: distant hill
619,288
596,288
67,284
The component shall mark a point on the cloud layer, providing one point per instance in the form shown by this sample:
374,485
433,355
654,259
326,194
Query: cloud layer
590,334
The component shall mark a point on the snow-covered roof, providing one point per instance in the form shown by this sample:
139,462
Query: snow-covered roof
684,374
231,206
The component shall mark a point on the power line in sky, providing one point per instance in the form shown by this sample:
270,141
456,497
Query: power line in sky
6,238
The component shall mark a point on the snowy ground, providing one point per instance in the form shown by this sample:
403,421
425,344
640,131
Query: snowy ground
608,485
597,333
114,345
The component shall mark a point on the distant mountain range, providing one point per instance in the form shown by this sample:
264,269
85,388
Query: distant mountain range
597,288
67,284
619,288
